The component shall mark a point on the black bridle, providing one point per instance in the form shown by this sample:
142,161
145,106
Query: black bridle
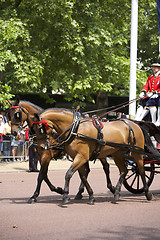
18,117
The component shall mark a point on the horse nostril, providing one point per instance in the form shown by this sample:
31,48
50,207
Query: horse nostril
15,133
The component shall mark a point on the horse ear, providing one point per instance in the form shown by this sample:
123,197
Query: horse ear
17,100
37,116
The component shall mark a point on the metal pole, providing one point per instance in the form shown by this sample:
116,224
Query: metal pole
159,46
133,55
158,10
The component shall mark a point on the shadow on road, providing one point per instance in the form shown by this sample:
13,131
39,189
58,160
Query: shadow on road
99,198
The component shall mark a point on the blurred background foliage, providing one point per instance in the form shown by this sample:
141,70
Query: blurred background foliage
77,47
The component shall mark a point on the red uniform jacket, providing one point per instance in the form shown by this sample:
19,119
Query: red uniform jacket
152,84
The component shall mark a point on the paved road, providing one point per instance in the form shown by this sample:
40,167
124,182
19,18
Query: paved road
132,218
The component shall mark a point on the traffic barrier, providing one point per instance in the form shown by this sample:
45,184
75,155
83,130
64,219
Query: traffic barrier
21,151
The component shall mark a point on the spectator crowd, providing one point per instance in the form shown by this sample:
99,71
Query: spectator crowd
10,148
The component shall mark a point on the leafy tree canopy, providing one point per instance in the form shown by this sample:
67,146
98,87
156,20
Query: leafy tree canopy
75,46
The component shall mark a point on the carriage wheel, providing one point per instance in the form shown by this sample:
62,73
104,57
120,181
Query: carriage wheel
133,181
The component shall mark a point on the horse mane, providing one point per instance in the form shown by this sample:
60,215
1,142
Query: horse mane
33,105
58,110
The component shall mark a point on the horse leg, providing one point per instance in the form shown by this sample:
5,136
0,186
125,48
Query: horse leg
81,187
37,191
52,187
68,176
146,189
45,160
77,164
107,173
120,162
86,184
142,173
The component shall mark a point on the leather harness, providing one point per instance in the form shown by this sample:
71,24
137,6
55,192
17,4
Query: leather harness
99,140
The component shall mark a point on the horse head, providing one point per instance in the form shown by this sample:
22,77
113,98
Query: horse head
47,138
39,127
15,116
21,111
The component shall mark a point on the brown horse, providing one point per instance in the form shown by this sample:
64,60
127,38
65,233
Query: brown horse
22,111
119,137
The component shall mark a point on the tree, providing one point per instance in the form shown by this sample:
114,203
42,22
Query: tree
77,47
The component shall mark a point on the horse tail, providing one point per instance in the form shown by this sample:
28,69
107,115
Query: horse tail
149,147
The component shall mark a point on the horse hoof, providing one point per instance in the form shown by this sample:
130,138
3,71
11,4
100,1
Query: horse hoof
59,190
78,197
91,201
116,198
31,200
149,196
65,200
114,201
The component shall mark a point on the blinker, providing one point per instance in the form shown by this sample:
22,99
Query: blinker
42,129
44,126
18,115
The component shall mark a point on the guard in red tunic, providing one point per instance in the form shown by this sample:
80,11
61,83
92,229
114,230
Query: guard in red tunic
152,90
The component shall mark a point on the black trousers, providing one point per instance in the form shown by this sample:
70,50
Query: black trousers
33,158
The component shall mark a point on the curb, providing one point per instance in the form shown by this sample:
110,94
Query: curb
23,166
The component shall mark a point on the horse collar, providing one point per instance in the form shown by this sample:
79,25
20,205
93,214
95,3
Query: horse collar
72,132
74,128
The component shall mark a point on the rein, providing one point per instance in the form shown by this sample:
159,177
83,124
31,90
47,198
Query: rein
119,106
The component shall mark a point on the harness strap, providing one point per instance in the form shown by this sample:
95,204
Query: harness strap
21,108
14,107
43,121
74,128
98,125
130,130
71,135
122,146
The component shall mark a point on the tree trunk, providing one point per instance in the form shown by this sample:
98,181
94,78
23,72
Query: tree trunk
102,100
